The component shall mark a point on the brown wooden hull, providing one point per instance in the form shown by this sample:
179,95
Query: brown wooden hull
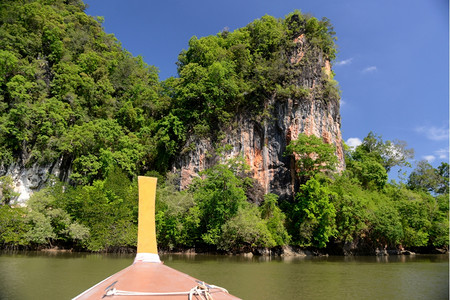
154,278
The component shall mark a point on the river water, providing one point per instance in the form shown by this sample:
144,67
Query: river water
39,275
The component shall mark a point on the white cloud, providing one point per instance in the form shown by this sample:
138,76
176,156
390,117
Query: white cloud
441,153
370,69
434,133
429,158
353,142
344,62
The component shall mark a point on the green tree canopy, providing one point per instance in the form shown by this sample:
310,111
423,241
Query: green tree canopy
425,177
312,156
313,214
388,153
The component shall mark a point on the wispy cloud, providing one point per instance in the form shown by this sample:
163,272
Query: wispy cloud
434,133
441,153
370,69
429,158
353,142
344,62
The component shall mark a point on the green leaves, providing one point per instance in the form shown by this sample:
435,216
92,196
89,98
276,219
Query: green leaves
8,65
219,196
13,227
386,153
66,86
69,90
266,36
214,213
311,156
240,69
105,212
313,215
245,231
7,193
275,219
368,160
177,217
48,222
426,178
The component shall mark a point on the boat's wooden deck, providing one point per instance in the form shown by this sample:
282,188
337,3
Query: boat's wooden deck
149,277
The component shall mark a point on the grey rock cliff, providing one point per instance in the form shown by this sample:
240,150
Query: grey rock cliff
29,179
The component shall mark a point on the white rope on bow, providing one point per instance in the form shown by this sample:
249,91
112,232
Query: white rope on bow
202,290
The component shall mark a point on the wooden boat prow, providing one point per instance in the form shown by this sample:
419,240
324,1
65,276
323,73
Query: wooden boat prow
143,280
148,277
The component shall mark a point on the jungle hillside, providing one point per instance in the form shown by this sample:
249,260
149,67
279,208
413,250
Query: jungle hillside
71,94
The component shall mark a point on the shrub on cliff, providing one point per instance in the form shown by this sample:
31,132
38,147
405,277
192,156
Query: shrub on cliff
312,156
7,193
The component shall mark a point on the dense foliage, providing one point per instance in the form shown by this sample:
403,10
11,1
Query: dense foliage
215,214
237,71
70,93
312,156
359,206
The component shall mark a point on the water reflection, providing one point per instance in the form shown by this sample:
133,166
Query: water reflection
38,275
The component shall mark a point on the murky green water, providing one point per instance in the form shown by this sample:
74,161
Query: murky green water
64,275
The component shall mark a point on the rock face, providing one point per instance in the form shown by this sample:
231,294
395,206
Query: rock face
28,180
262,140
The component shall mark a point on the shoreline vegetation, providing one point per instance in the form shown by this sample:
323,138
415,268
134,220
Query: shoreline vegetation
285,251
69,93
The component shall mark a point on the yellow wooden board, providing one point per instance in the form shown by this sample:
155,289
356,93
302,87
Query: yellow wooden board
146,227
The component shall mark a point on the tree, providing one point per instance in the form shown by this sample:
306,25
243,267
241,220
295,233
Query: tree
313,214
49,222
7,193
275,219
425,177
386,227
219,194
369,172
352,208
311,156
13,228
177,216
443,172
371,161
69,91
108,208
245,231
388,153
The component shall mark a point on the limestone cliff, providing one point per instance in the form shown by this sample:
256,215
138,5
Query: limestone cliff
29,179
262,138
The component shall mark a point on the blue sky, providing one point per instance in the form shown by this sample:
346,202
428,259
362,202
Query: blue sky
392,65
